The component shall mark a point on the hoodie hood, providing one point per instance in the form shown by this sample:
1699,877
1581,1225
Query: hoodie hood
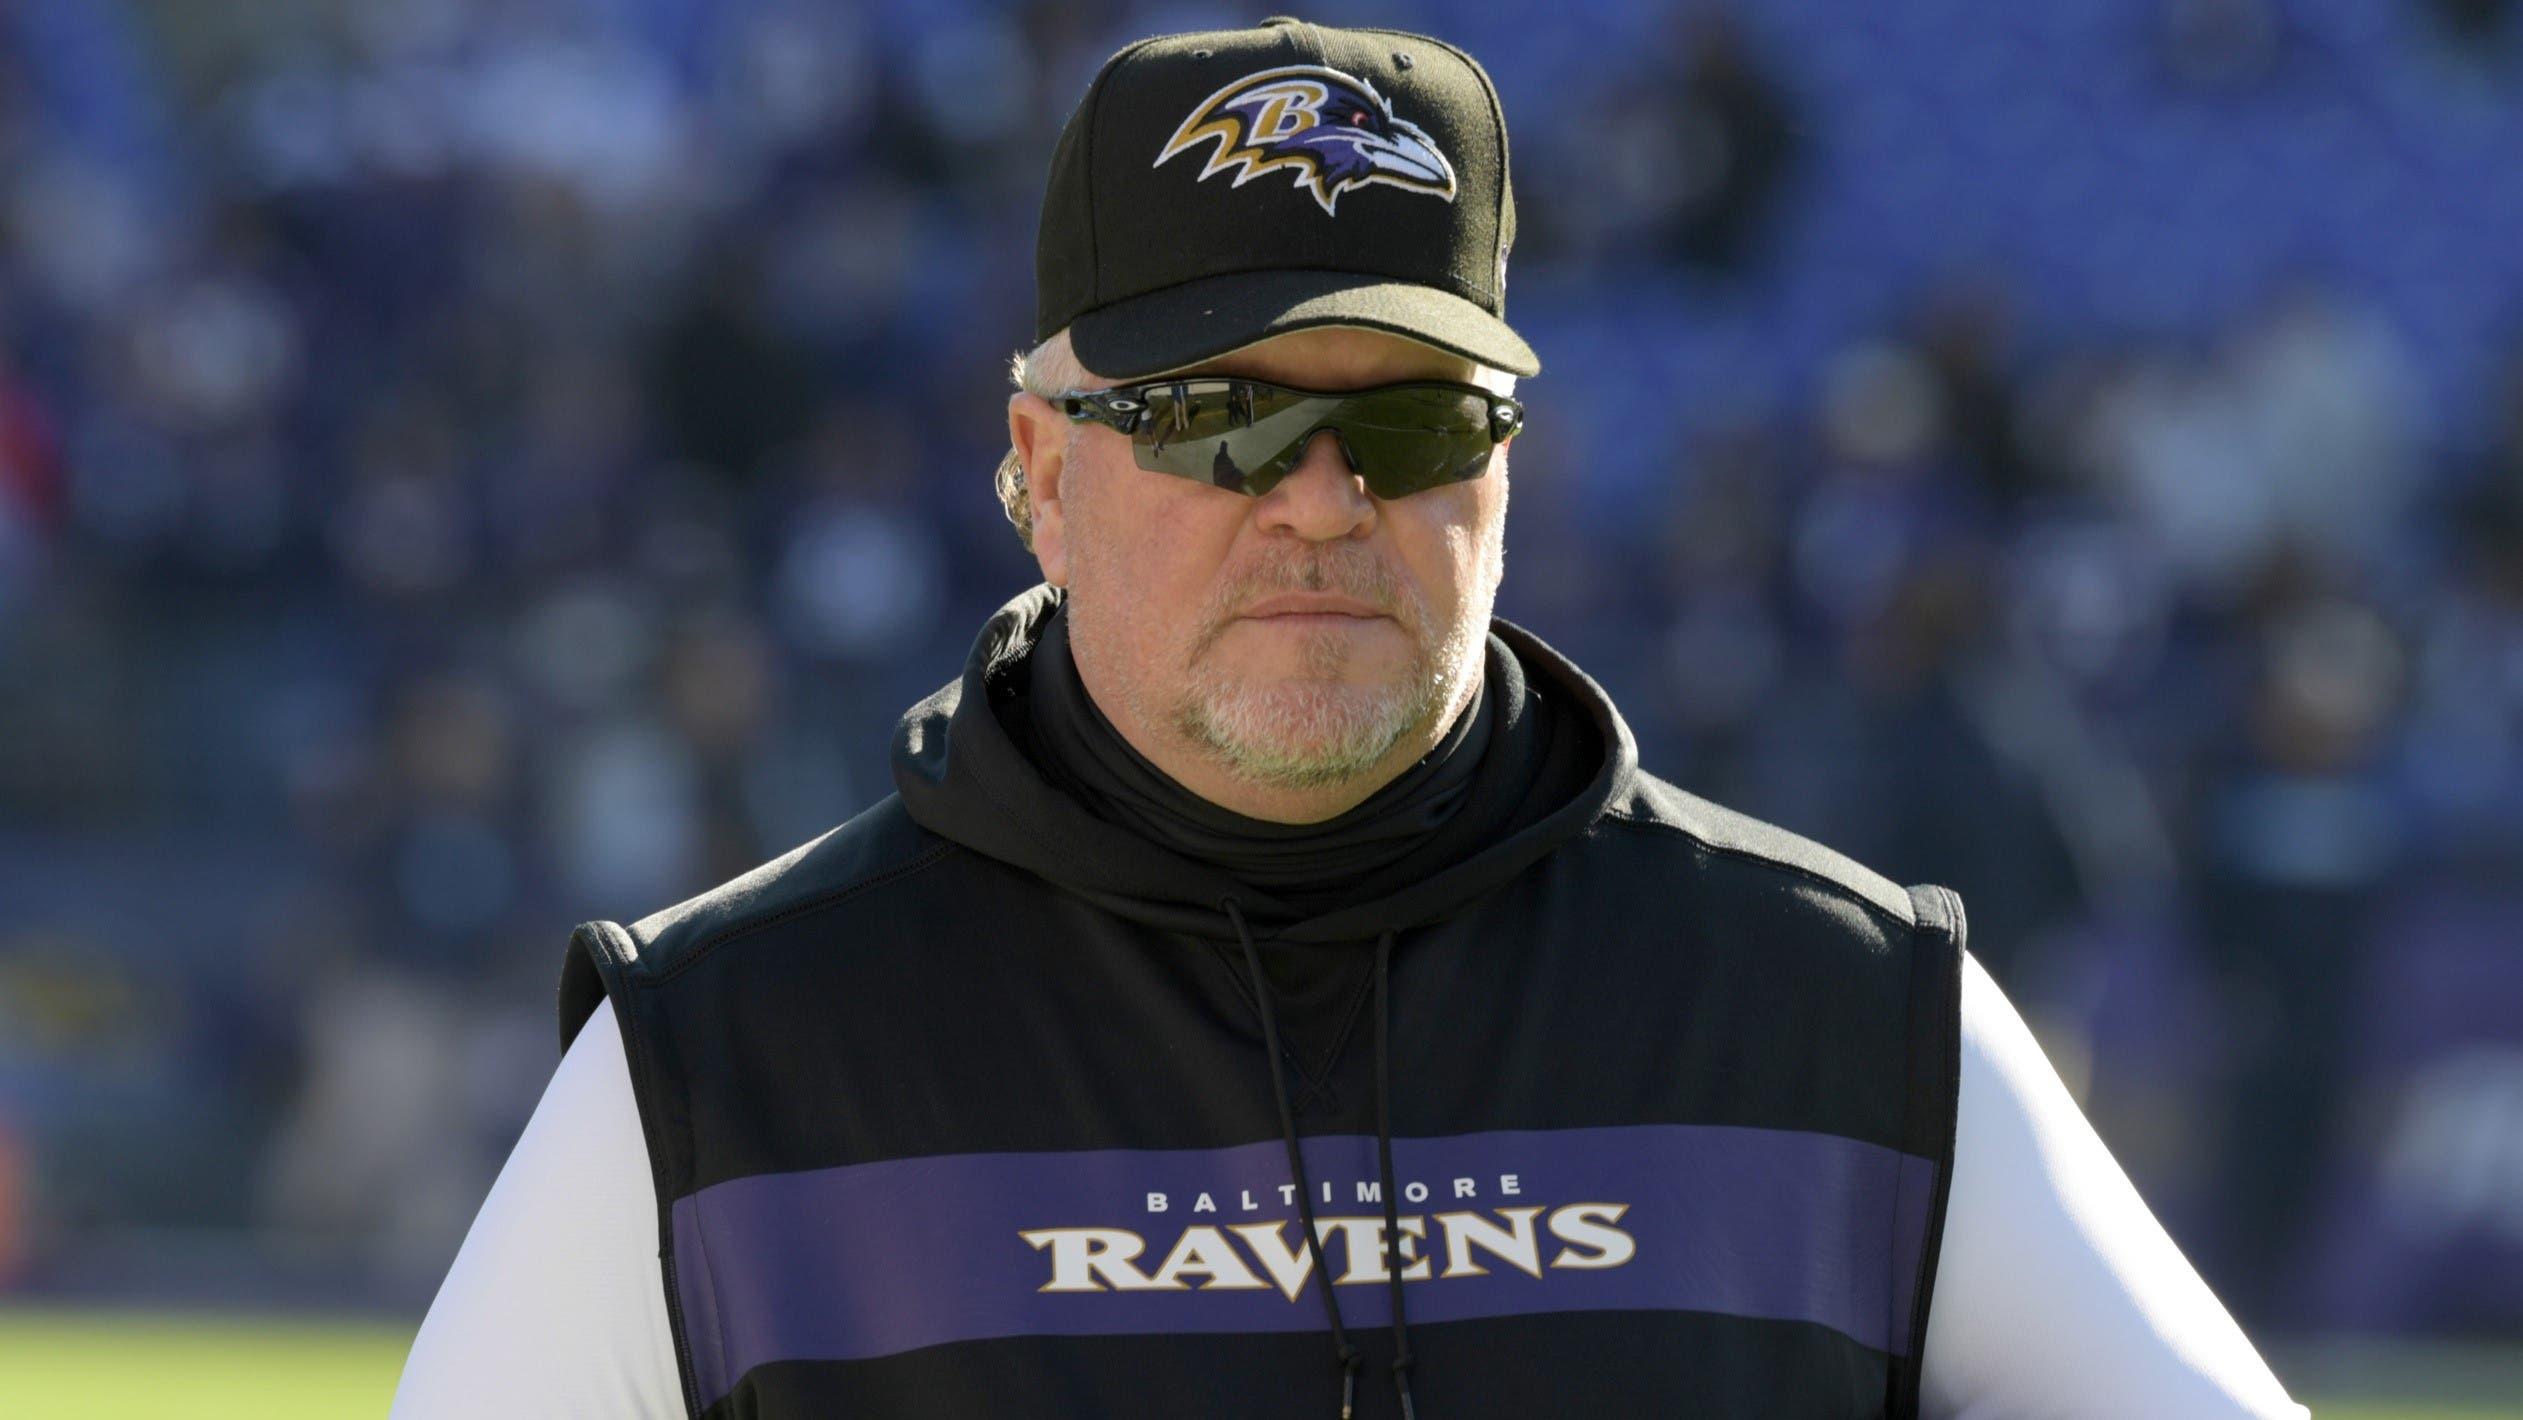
964,775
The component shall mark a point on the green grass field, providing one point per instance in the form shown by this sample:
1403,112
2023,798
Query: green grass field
78,1366
88,1367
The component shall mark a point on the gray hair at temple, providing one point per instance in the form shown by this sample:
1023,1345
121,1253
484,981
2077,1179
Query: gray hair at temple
1049,370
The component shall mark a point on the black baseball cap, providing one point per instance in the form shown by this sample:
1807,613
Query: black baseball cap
1214,189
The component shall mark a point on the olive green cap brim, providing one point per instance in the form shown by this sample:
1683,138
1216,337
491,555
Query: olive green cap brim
1182,325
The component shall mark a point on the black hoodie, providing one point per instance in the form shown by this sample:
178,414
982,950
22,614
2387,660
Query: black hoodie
981,1105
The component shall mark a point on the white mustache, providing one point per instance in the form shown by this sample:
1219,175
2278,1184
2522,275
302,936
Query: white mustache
1367,581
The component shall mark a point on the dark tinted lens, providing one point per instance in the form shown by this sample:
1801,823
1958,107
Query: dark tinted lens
1246,437
1410,440
1195,409
1237,436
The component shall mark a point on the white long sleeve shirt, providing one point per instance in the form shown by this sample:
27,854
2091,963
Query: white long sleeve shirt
2058,1295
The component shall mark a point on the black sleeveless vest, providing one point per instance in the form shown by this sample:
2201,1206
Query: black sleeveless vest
946,1128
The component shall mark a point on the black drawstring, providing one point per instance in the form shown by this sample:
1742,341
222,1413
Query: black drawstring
1342,1351
1345,1354
1384,1166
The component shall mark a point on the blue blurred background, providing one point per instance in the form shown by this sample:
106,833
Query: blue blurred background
471,466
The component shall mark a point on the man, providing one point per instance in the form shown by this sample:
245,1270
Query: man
1275,988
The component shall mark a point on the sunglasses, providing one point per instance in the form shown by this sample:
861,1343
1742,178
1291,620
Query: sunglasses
1245,436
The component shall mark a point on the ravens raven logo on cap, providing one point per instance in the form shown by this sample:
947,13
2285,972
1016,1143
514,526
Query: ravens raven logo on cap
1333,129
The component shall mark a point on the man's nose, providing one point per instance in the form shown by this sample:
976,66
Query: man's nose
1322,498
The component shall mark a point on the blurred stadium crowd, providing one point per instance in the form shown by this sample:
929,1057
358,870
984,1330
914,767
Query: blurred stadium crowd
470,466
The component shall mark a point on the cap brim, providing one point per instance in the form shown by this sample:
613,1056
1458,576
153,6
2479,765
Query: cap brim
1200,320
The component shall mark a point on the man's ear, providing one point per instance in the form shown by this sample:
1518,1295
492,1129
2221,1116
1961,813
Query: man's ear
1040,435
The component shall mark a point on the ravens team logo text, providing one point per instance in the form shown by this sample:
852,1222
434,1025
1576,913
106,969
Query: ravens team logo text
1333,130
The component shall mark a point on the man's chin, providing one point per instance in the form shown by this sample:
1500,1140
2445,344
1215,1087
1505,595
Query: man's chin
1301,734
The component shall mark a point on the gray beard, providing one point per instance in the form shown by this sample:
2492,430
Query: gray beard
1314,733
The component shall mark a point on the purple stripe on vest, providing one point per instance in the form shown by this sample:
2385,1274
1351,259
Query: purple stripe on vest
875,1259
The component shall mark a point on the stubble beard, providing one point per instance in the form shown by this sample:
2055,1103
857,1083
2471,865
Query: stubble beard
1309,733
1317,730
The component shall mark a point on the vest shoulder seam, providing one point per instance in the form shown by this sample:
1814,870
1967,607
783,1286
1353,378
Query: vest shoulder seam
1796,870
831,897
